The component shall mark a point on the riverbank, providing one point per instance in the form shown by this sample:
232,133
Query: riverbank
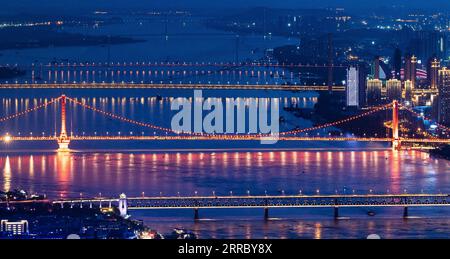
46,220
442,152
33,216
25,38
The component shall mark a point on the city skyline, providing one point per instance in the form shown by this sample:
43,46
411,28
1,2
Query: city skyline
351,5
224,120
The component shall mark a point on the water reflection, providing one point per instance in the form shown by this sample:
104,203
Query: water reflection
186,172
7,175
82,121
183,173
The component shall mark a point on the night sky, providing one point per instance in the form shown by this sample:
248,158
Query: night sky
18,6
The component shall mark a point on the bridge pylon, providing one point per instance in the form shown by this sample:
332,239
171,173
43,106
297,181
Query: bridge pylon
123,205
63,139
396,145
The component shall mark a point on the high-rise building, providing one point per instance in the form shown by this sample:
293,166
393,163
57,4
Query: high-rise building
408,90
356,86
376,68
413,75
363,71
410,73
352,89
14,228
374,91
434,106
397,63
434,73
444,96
331,54
393,90
407,69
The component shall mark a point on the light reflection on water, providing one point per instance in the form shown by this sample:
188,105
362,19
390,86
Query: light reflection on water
170,173
151,109
185,169
67,175
184,172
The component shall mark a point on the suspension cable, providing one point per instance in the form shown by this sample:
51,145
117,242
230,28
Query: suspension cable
426,118
331,124
122,118
40,106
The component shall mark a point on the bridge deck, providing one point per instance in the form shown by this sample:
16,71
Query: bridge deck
299,201
220,137
169,86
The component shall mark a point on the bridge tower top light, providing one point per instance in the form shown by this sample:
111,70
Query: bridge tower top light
63,140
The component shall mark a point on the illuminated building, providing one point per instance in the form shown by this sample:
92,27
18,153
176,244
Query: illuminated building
434,73
123,208
444,96
356,86
374,91
14,228
434,99
397,63
408,90
376,68
407,70
413,74
393,90
410,73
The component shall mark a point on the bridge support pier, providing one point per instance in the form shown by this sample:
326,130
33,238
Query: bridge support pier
405,212
63,140
196,216
123,205
336,212
396,144
63,144
266,213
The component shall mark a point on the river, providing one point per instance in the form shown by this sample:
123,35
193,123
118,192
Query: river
167,168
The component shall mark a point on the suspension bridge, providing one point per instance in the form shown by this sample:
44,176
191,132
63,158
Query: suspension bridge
167,134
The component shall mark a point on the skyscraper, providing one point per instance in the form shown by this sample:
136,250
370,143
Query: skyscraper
331,54
376,68
410,73
444,96
356,86
374,91
413,75
393,90
352,90
434,73
407,68
397,63
408,91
